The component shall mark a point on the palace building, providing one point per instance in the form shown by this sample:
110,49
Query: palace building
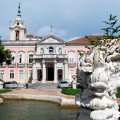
40,58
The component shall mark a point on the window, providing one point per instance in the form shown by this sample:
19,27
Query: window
21,57
2,74
51,49
71,56
21,74
72,72
13,56
41,51
30,58
78,56
11,74
30,74
59,74
17,35
60,50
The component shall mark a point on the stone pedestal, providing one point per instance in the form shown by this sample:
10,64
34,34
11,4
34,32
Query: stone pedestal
1,100
74,84
1,85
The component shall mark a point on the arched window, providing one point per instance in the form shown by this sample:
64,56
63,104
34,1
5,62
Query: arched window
60,50
51,49
41,51
21,56
30,57
71,56
13,56
17,34
78,56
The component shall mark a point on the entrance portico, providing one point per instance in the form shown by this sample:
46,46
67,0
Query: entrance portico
50,71
50,60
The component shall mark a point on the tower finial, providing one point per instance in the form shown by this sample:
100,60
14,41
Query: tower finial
19,11
51,30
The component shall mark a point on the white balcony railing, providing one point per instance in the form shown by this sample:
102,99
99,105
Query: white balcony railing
50,56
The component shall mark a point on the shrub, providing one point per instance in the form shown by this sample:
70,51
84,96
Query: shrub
70,91
118,93
5,90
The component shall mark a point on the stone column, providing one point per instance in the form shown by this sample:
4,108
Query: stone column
55,71
34,72
66,69
43,72
63,72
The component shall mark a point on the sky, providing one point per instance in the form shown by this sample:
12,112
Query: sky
70,18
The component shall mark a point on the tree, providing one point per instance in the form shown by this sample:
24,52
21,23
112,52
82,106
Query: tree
5,55
110,32
95,41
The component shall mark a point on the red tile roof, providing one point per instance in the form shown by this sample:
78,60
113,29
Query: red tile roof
84,39
31,36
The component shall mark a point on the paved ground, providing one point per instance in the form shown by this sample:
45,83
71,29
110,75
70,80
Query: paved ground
49,89
53,95
43,86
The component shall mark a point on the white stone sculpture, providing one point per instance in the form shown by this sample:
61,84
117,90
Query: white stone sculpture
1,100
99,76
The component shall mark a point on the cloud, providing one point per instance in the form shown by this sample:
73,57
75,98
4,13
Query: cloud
96,34
44,31
74,38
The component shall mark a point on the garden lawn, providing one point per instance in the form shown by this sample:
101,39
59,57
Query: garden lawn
70,91
5,90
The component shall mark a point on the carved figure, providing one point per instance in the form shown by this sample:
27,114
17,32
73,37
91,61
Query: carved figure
99,75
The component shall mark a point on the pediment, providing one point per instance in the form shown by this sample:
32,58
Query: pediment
51,39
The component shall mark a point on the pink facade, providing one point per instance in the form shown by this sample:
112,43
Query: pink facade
35,57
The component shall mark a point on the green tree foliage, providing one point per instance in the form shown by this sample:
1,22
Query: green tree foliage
5,55
110,32
95,41
112,29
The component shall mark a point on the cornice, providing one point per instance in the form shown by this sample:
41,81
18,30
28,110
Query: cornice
19,43
77,44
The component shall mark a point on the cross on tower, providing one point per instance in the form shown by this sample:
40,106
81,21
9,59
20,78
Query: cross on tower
51,28
19,11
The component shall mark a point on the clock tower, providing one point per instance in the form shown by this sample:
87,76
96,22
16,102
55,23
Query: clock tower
18,28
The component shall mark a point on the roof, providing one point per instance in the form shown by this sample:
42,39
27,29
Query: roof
52,36
32,36
84,39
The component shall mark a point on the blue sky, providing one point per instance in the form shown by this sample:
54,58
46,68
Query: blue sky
69,18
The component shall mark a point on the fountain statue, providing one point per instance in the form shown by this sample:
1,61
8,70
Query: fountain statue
99,76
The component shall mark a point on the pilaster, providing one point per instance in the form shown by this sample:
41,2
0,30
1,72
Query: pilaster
55,71
43,72
34,72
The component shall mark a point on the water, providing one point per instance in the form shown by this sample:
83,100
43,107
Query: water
34,110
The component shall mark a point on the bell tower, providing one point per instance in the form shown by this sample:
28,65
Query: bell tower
18,28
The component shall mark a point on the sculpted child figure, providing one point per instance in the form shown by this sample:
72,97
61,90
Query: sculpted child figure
99,76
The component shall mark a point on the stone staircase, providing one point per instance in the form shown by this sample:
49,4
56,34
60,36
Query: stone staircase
39,85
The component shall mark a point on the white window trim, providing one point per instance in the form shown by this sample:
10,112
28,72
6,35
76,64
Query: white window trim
3,74
71,56
13,55
11,72
29,74
29,53
19,75
23,56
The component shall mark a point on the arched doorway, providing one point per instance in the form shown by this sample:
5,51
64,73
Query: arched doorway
39,74
60,74
50,71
